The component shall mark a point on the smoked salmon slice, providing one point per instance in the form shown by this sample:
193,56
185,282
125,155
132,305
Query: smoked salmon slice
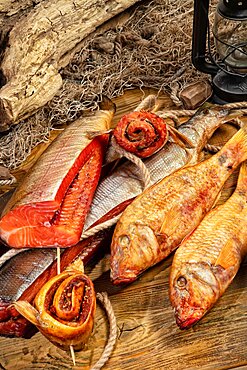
49,207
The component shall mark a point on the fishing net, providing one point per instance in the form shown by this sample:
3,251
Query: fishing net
151,49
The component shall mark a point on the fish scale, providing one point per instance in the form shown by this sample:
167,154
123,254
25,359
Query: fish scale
24,268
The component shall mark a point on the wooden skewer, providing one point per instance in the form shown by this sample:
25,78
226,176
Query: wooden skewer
72,354
58,261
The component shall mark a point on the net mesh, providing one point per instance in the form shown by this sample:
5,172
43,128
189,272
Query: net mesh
151,49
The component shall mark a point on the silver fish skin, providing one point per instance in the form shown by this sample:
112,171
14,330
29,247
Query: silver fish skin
125,182
22,270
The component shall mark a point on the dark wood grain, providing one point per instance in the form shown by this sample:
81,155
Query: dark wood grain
148,337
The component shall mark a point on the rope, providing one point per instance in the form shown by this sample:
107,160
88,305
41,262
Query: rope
147,103
10,181
215,148
173,117
242,104
134,159
177,113
11,253
212,148
104,225
104,300
173,95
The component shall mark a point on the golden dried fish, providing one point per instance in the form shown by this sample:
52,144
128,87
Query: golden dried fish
156,222
207,261
124,183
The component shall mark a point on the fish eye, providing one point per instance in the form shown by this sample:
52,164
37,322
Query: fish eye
124,240
181,281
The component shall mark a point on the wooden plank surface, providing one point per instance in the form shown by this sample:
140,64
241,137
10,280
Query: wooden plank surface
148,337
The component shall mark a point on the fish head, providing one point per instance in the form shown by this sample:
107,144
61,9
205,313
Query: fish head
133,250
193,290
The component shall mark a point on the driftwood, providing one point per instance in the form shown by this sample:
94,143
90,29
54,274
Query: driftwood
40,44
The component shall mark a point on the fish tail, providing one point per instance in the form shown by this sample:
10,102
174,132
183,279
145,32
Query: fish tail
107,104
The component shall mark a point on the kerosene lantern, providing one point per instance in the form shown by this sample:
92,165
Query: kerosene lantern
228,63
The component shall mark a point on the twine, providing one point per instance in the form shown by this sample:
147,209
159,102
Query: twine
147,103
104,225
174,97
104,300
10,181
237,105
134,159
215,148
212,148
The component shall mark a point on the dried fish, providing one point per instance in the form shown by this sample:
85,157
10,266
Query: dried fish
156,222
207,261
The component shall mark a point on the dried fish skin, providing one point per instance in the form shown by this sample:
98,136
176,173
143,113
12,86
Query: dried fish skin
208,260
156,222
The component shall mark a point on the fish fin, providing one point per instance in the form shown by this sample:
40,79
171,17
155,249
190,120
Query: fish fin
180,138
28,311
242,178
217,199
170,222
230,118
228,256
239,139
201,157
107,104
92,134
76,266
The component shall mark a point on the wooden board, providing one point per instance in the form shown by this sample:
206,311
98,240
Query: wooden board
148,337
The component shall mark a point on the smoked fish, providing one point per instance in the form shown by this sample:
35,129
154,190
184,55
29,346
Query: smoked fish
113,194
144,133
156,222
208,259
49,207
124,183
64,308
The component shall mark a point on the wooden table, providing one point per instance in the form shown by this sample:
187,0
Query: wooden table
148,337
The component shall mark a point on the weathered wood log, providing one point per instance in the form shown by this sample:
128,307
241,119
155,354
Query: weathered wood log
11,7
40,44
11,11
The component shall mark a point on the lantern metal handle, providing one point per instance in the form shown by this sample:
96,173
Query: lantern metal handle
199,38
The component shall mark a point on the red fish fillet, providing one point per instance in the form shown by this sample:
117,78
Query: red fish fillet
50,205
